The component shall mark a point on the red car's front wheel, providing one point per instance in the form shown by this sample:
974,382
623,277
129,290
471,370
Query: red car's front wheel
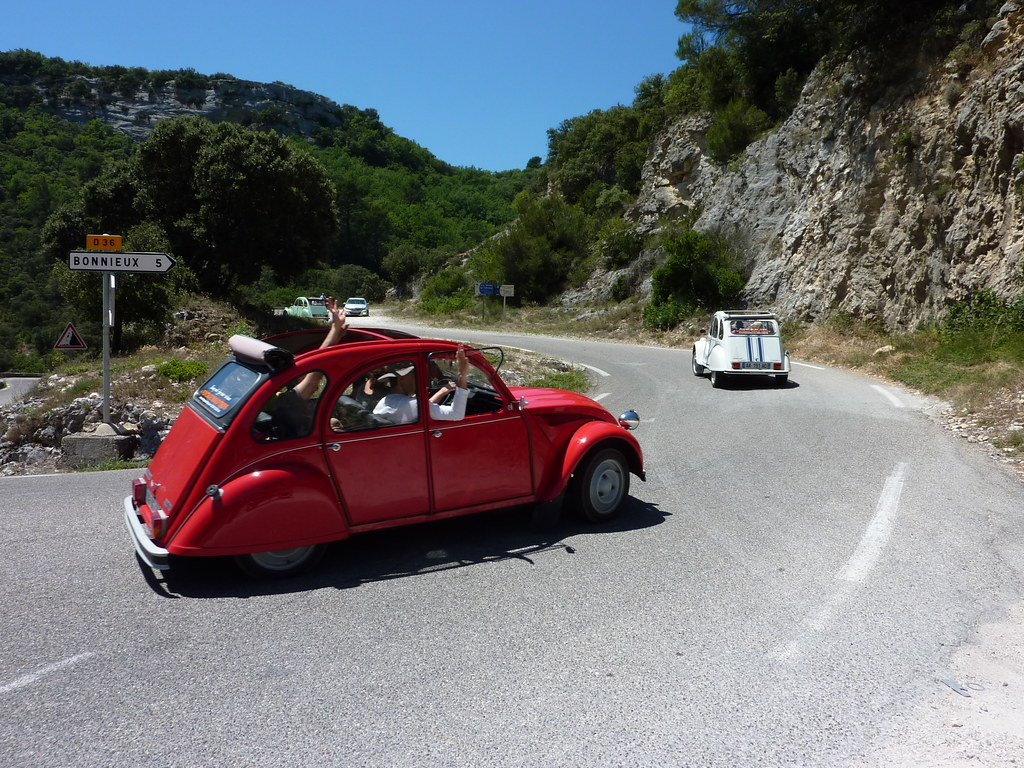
602,486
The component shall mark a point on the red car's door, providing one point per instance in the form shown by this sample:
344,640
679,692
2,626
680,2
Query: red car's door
479,460
376,454
484,457
380,475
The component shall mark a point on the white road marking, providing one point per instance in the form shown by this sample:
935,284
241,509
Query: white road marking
877,535
24,680
889,395
808,365
601,397
857,568
598,371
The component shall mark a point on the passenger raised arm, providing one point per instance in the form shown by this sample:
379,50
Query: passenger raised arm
339,327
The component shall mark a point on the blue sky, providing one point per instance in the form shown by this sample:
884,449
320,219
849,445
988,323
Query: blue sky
476,82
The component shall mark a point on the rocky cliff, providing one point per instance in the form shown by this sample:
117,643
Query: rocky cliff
886,206
284,108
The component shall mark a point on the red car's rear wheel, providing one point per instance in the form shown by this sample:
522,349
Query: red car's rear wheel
280,562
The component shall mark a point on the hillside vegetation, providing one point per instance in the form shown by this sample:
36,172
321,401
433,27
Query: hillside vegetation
258,206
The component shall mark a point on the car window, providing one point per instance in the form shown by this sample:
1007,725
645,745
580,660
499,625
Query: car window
289,412
753,327
483,397
380,396
229,386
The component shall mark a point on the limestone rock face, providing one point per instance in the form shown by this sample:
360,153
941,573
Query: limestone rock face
284,108
887,206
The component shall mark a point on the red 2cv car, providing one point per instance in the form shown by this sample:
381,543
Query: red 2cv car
288,447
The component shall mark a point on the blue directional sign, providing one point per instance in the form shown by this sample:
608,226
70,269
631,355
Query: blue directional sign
487,289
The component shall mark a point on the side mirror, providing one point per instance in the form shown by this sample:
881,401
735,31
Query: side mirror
629,420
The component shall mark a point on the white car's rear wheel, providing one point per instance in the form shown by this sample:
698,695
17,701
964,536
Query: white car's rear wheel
717,379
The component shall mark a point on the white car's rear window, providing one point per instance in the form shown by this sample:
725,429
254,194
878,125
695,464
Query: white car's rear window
753,327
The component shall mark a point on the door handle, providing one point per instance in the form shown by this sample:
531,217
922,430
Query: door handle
334,446
436,433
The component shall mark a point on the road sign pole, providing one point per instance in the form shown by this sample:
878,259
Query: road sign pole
103,254
108,311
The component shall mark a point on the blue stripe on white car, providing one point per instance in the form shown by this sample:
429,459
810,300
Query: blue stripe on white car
750,349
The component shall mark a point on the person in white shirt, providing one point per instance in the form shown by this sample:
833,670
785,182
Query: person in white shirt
400,406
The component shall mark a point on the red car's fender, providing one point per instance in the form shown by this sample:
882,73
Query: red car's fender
288,505
592,435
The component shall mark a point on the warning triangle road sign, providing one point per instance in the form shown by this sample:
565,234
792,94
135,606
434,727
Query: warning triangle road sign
70,339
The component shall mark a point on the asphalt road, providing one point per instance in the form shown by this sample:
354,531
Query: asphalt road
16,388
794,585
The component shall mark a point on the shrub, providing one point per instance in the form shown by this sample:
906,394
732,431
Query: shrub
620,245
734,128
667,315
983,328
701,272
622,288
182,371
447,291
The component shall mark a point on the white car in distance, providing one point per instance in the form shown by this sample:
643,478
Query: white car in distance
356,307
741,343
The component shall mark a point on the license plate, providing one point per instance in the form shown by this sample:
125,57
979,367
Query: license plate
756,366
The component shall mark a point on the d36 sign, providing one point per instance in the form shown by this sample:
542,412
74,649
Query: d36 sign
103,242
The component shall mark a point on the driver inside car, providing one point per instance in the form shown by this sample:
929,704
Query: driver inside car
399,407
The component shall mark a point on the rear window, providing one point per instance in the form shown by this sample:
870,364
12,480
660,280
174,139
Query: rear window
227,389
754,327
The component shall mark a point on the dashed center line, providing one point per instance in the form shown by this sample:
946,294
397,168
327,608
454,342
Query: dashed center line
30,678
877,535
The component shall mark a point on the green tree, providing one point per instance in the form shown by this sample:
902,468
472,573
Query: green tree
447,291
230,201
539,251
403,263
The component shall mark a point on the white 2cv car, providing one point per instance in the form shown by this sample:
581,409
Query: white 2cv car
741,343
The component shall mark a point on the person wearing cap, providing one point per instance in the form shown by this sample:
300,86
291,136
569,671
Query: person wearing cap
400,406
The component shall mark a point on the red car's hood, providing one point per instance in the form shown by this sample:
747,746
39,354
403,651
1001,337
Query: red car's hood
544,401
